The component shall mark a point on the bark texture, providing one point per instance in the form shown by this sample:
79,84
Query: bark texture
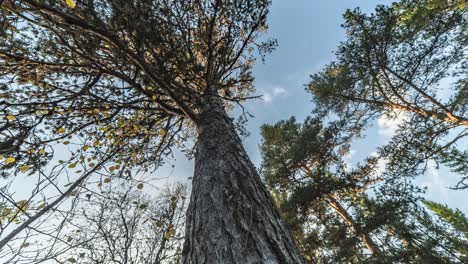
231,217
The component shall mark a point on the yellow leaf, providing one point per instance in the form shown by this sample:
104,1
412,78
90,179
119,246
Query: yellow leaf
61,130
95,143
169,234
92,165
42,206
42,151
1,157
22,205
140,186
71,166
85,147
24,168
10,160
11,117
107,180
66,142
71,3
162,132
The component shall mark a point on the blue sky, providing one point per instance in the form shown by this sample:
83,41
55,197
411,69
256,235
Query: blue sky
308,31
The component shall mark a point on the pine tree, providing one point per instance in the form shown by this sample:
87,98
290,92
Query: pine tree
343,214
395,63
127,81
457,221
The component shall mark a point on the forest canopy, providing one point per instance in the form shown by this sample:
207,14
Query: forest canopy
96,96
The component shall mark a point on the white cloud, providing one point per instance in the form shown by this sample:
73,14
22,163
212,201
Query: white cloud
435,183
388,124
272,93
279,91
267,97
381,164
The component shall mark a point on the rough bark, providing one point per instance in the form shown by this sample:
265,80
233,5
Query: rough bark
231,217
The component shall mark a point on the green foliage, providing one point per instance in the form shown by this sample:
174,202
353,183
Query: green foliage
417,14
340,214
457,221
287,145
394,63
457,160
454,217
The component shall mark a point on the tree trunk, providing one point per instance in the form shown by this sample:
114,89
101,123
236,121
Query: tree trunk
363,235
231,217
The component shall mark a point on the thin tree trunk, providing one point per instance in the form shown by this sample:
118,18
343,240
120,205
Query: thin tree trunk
231,217
364,236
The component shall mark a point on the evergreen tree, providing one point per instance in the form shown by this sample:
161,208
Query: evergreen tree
125,82
457,221
340,214
397,62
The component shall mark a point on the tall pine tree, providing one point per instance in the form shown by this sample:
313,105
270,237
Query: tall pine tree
344,214
135,79
407,61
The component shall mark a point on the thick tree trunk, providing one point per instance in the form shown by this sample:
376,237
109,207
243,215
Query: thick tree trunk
231,217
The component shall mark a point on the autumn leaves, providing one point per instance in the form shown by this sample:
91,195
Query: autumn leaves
70,3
